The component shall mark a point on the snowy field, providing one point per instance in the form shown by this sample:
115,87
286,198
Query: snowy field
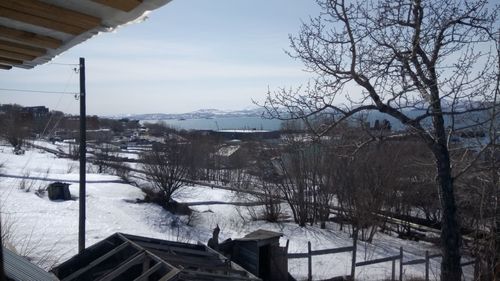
46,231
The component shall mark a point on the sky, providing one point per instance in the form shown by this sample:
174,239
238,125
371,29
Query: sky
187,55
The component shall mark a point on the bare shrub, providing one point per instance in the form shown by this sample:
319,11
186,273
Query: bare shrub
26,183
70,167
365,187
122,170
41,190
74,151
270,201
192,218
8,228
253,213
166,167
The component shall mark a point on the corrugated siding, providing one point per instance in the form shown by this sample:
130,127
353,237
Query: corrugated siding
20,269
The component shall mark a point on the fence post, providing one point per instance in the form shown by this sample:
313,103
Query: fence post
286,254
427,260
309,261
393,275
354,249
477,269
401,263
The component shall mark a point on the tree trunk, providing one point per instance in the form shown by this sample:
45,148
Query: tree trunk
450,230
495,260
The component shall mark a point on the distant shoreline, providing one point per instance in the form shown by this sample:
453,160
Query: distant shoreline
221,123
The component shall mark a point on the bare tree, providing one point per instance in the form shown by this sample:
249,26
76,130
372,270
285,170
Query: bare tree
434,57
14,128
479,199
268,197
325,188
365,185
166,166
298,177
104,155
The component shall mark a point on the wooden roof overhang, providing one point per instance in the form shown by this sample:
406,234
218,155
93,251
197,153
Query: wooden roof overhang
33,32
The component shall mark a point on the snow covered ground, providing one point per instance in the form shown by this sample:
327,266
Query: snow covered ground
46,231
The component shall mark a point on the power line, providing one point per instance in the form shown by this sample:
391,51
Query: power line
56,63
36,91
56,107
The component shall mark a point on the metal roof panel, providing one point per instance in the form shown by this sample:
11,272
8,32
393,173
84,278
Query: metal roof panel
20,269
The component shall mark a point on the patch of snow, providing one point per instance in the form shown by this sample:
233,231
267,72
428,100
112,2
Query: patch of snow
227,150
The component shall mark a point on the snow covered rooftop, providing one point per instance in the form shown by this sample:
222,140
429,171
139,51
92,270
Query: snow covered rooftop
228,150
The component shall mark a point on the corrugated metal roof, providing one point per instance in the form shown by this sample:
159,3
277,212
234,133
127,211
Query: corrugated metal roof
20,269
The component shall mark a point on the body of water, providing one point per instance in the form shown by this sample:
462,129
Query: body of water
226,123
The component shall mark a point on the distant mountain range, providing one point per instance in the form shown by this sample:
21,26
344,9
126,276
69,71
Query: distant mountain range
464,119
198,114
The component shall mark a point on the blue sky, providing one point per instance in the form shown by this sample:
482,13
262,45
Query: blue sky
189,54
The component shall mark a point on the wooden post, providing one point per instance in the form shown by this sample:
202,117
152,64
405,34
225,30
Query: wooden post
354,249
477,270
427,260
309,261
83,151
401,263
286,254
393,275
2,271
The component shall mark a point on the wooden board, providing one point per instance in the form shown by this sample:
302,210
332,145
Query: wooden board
124,5
49,16
20,48
29,38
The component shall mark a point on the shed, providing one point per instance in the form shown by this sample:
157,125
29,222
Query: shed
18,268
260,253
59,191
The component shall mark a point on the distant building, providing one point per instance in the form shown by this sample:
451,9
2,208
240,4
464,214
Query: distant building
246,134
384,125
34,112
235,155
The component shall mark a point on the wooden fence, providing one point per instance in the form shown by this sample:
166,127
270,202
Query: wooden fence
395,260
311,253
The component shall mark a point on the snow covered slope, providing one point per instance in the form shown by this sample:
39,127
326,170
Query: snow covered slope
46,231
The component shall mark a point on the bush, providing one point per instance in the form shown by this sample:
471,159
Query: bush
156,197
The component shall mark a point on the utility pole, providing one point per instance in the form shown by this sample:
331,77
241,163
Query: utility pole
83,151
